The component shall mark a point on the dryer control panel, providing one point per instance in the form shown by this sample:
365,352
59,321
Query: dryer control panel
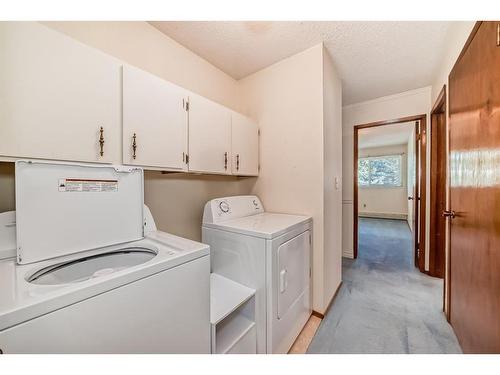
227,208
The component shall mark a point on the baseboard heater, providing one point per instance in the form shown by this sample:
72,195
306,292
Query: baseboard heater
383,215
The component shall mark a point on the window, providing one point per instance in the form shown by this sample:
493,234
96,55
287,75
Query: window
380,171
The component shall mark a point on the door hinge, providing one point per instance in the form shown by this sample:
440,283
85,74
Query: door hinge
258,132
187,159
185,104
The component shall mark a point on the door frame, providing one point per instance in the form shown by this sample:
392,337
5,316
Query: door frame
438,131
420,182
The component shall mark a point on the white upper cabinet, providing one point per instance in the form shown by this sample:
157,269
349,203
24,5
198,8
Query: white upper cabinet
155,121
245,146
209,136
55,96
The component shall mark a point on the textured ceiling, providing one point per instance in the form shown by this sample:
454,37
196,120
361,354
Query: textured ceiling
387,135
373,58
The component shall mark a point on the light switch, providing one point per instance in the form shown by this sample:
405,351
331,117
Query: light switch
337,183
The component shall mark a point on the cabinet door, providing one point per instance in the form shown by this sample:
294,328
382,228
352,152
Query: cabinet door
55,95
245,146
209,136
154,111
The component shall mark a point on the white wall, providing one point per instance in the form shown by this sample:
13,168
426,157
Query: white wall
332,123
385,201
455,41
288,98
409,103
176,200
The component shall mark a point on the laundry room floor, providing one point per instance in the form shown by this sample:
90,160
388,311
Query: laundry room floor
385,305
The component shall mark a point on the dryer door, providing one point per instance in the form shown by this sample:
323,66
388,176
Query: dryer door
293,271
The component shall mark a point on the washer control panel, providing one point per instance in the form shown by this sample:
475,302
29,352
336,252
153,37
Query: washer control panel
227,208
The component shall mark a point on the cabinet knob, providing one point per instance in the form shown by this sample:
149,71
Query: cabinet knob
134,145
225,160
101,141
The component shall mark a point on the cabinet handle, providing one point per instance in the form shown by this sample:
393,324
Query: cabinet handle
225,160
134,145
237,162
101,141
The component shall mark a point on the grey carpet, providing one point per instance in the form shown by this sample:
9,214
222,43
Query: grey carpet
385,305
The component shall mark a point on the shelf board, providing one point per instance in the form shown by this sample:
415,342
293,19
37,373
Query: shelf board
233,330
226,296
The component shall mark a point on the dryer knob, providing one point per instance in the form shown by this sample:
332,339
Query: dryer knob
224,206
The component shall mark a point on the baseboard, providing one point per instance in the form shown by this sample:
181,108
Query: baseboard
320,315
348,254
317,314
384,215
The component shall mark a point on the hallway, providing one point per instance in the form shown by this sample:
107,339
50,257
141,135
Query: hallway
385,305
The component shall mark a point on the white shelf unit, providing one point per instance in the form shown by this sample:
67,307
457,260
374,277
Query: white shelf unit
232,316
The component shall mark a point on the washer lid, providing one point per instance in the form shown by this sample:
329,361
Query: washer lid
64,208
265,225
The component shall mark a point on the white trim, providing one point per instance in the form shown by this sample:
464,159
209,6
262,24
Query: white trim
348,254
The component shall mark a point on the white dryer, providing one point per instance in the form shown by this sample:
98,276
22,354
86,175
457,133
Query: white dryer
269,252
91,274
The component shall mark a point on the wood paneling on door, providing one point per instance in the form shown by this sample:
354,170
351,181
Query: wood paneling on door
475,193
437,232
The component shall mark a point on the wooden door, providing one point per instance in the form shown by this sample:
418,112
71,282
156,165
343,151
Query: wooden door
419,208
155,121
55,95
414,197
475,193
245,146
209,136
437,225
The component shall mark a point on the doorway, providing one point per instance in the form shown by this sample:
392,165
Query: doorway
418,190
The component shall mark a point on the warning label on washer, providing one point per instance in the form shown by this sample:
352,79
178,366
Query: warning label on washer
87,185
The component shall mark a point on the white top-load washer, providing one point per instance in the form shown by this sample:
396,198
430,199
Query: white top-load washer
269,252
91,274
